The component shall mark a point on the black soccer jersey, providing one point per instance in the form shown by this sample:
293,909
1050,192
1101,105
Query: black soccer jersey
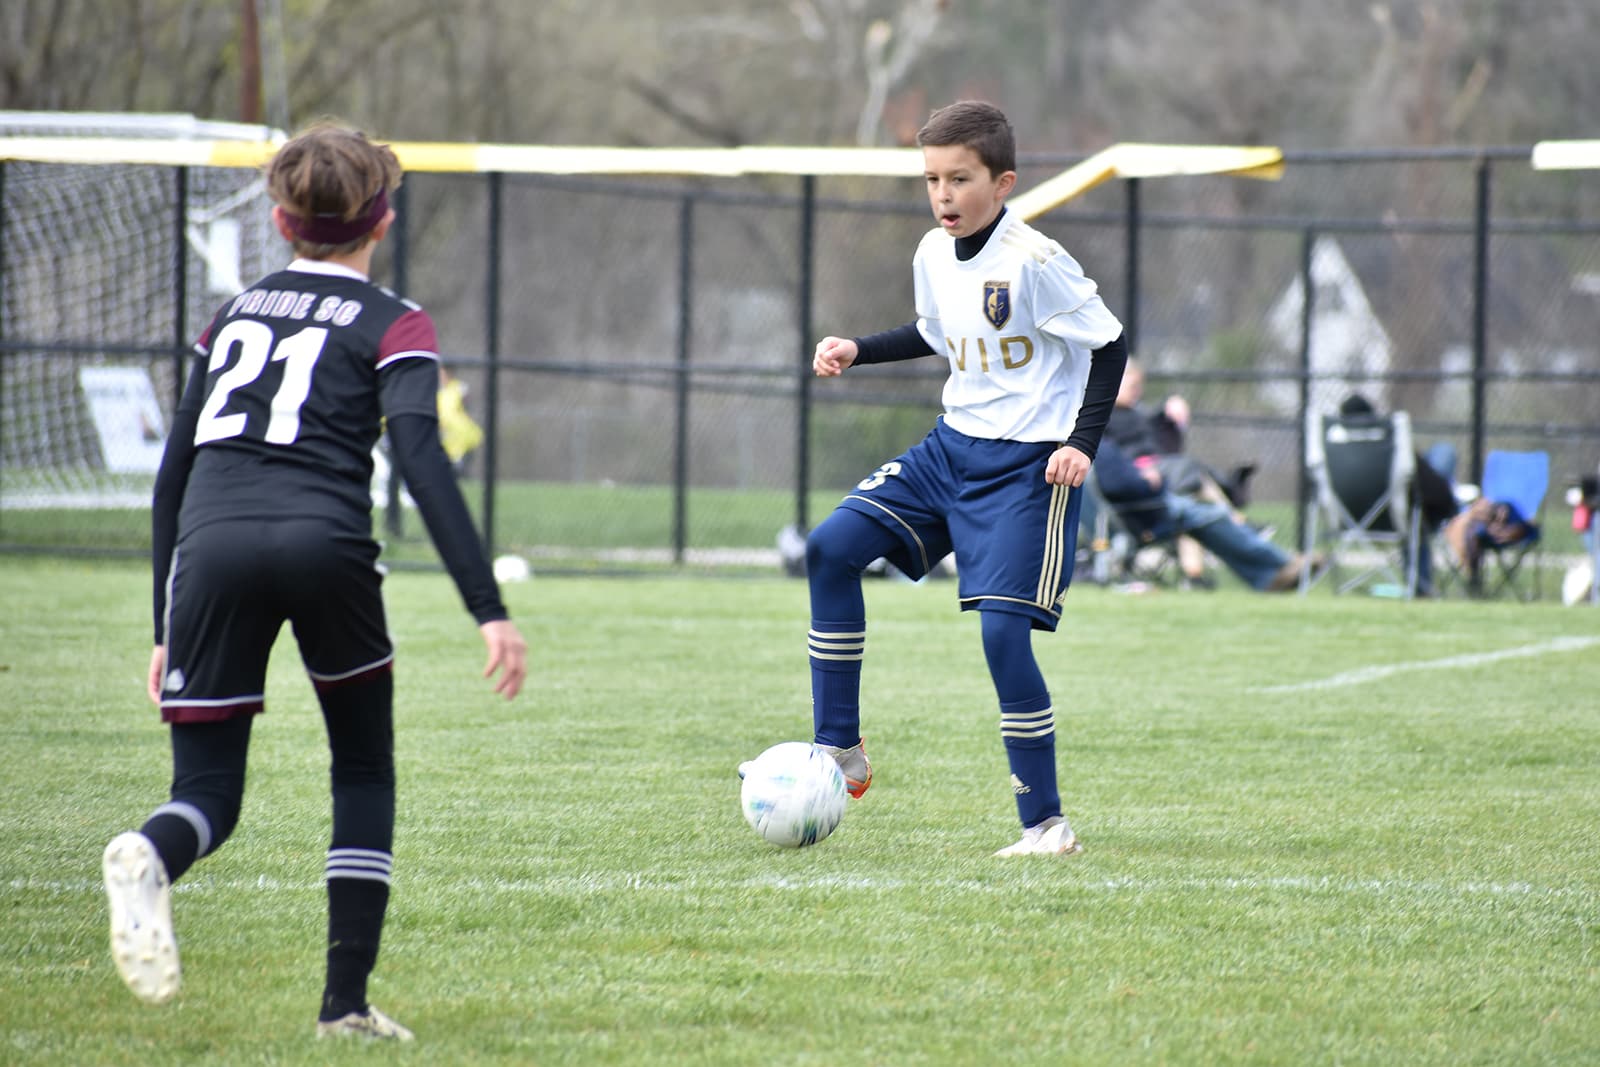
285,405
299,371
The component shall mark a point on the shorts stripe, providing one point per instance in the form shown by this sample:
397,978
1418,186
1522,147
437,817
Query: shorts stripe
1051,609
343,676
1055,547
909,529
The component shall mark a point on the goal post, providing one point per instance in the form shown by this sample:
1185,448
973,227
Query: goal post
87,263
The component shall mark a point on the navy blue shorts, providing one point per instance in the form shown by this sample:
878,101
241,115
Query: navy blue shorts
1013,534
232,587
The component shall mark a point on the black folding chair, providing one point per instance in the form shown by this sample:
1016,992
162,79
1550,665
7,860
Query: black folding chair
1364,514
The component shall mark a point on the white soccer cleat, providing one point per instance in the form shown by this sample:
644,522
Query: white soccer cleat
1053,837
371,1024
855,766
142,942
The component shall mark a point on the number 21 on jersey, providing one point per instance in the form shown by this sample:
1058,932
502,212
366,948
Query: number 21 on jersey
254,341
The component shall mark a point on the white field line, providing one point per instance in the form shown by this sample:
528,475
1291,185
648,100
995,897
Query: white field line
588,886
1471,659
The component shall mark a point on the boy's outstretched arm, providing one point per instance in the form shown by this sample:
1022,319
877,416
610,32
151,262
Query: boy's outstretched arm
835,354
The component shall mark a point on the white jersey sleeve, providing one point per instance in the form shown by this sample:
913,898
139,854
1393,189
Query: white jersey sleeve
1074,311
928,321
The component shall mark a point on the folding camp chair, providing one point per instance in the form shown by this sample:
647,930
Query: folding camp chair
1518,479
1364,512
1120,555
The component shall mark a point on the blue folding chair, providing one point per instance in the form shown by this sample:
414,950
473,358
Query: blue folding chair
1519,480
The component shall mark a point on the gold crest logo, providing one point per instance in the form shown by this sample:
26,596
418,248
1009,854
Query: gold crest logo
997,303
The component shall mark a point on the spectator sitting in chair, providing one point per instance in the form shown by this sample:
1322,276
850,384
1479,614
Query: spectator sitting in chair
1156,436
1152,513
1483,522
1431,481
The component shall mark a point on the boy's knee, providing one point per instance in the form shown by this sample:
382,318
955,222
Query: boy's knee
825,553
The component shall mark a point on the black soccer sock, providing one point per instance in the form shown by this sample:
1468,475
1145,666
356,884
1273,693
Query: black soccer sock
360,863
356,908
208,763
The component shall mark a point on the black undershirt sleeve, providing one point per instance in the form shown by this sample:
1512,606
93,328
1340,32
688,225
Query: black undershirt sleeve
422,462
172,478
892,346
1100,395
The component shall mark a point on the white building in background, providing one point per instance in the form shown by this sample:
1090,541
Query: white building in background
1346,336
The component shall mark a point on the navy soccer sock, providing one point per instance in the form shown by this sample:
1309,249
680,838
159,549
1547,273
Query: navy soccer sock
837,552
1027,720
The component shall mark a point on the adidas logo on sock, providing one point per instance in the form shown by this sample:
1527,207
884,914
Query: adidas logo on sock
1019,787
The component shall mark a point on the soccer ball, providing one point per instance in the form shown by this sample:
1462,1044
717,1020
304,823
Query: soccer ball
793,794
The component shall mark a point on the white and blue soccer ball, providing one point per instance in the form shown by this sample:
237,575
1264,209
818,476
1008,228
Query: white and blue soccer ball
793,794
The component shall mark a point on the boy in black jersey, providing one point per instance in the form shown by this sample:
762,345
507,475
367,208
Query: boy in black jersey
261,515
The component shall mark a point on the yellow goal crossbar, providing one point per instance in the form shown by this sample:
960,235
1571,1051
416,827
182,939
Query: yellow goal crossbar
1131,160
1121,160
1566,155
441,157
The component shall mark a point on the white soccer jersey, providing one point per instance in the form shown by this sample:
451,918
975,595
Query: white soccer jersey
1018,322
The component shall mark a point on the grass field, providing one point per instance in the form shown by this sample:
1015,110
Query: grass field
1318,831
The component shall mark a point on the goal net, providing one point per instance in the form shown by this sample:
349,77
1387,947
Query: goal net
89,352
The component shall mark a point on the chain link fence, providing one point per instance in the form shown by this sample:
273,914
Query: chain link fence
638,349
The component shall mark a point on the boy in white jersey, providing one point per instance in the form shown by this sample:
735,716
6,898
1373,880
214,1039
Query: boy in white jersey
1035,363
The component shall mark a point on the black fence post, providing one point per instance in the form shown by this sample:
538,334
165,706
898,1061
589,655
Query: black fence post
680,459
394,514
491,434
802,465
1480,337
180,280
1303,492
1480,317
1130,317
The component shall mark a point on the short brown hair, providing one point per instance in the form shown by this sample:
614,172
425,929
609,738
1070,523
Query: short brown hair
330,169
981,127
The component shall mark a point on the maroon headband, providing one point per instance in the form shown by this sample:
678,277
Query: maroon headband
329,229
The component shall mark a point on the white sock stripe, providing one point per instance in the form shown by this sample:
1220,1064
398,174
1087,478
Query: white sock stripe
360,853
1027,716
362,876
837,635
359,865
837,646
194,817
1043,731
838,656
